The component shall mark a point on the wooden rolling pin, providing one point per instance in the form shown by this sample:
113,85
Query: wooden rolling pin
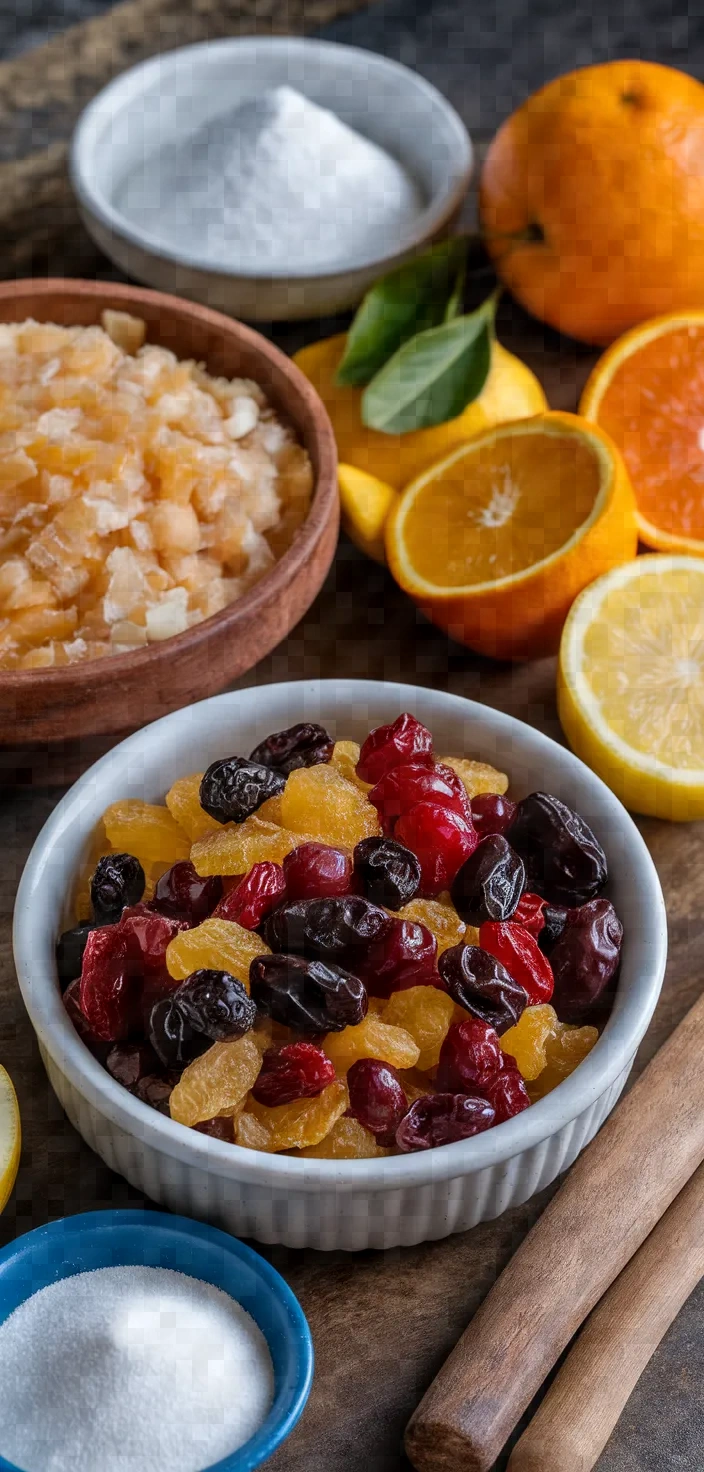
610,1202
576,1418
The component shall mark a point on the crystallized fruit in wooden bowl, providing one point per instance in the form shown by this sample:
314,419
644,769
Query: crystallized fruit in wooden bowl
168,506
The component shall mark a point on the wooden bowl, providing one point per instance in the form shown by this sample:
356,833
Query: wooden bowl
53,722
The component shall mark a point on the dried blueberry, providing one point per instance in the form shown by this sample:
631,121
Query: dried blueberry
480,984
311,996
388,872
490,882
173,1039
118,881
303,745
69,952
325,927
233,788
564,861
554,922
585,958
209,1007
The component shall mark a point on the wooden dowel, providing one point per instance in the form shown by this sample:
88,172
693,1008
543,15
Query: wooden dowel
610,1202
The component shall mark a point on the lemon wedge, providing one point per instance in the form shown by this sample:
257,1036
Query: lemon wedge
631,684
10,1137
365,503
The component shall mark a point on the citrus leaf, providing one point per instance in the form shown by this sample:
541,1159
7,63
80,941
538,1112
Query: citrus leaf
433,377
454,305
408,300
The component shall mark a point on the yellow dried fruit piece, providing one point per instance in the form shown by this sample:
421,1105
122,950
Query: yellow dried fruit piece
183,802
344,759
476,776
266,1033
148,831
217,945
426,1013
376,1005
304,1121
252,1135
527,1041
415,1085
565,1050
270,811
371,1038
348,1140
240,845
321,803
217,1082
440,919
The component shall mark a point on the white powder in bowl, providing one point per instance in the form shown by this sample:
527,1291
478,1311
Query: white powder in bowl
130,1369
277,182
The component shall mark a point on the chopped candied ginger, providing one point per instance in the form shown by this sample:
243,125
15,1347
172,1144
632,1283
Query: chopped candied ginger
527,1042
293,1126
183,802
565,1050
214,945
146,830
476,776
426,1013
237,846
371,1038
441,919
217,1082
344,759
320,802
348,1140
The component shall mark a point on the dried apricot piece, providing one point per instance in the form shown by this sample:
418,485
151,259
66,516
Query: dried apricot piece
371,1038
304,1121
348,1140
214,945
441,919
183,802
270,811
426,1013
147,830
344,759
237,846
476,776
527,1041
320,802
565,1050
217,1082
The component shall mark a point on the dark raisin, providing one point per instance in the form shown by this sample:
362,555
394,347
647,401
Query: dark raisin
69,952
325,927
311,996
118,881
440,1119
155,1091
480,984
129,1062
182,892
208,1007
233,788
173,1039
303,745
490,882
564,861
554,922
388,872
377,1097
585,958
222,1127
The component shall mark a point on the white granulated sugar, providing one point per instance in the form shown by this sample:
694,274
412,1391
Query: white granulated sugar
275,183
130,1369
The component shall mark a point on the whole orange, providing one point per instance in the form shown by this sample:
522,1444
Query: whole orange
592,198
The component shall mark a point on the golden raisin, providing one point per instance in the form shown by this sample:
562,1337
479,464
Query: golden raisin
371,1038
476,776
348,1140
252,1135
321,803
426,1013
183,802
565,1050
527,1041
302,1122
344,759
415,1085
214,945
146,830
238,846
441,919
217,1082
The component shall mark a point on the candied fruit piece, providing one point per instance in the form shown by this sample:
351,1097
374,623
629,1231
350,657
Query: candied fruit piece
146,830
315,871
236,848
348,1140
371,1038
476,777
441,1119
404,740
217,945
233,788
148,934
440,838
296,1071
519,952
254,897
216,1082
426,1014
304,1121
319,802
565,1050
564,860
527,1041
440,918
182,893
344,759
183,802
209,1007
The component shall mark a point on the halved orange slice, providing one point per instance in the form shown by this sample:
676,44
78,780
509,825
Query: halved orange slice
647,392
495,542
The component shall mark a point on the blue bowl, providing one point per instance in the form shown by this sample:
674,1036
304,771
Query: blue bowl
104,1239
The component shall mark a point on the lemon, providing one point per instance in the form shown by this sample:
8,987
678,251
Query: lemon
10,1137
631,683
365,502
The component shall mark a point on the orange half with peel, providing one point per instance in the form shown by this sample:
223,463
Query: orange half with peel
495,542
647,392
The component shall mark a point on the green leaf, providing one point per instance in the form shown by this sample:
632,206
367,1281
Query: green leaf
433,377
409,300
454,305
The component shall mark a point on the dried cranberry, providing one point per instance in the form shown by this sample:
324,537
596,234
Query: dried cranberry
147,935
404,956
585,958
530,913
316,871
296,1071
491,813
155,1090
209,1007
520,953
440,1119
108,991
254,897
490,882
303,745
69,952
389,873
326,927
402,788
222,1127
233,788
377,1098
480,984
440,839
183,893
405,740
564,861
127,1063
470,1058
311,996
507,1093
118,881
555,920
71,1000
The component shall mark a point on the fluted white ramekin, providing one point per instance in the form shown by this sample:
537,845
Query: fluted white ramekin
323,1203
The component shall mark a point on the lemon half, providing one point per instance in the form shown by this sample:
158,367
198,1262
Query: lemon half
10,1137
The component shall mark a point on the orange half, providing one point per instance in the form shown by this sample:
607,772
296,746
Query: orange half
647,392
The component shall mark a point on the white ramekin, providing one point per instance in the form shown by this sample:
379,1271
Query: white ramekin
321,1203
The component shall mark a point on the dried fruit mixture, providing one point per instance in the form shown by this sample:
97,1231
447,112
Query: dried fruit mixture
341,952
138,495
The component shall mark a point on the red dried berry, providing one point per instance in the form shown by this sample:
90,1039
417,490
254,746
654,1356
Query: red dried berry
185,894
71,1001
147,935
405,740
315,870
404,956
492,813
470,1058
403,787
440,1119
530,913
520,953
108,989
377,1098
296,1071
440,839
254,897
507,1094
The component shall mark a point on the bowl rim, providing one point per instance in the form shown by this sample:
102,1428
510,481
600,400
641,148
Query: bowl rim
430,221
180,1230
608,1060
87,673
